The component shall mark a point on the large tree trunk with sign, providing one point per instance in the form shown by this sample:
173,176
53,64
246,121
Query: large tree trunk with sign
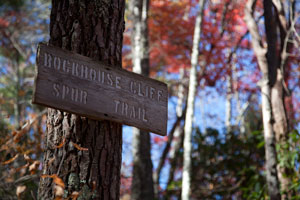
142,182
85,154
187,142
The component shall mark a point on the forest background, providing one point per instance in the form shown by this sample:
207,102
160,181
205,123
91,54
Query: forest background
228,138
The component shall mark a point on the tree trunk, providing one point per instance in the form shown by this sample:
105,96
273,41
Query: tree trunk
17,105
93,29
270,143
187,143
178,132
281,125
177,141
142,182
174,138
281,132
229,95
267,62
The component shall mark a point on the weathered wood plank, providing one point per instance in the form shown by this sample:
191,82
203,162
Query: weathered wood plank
80,85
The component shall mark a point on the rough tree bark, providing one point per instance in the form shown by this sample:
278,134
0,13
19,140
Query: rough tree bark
267,61
278,94
94,29
142,181
187,142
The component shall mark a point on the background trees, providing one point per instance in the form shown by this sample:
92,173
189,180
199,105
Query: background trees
227,159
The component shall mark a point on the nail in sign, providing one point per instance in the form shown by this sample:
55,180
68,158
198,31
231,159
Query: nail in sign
77,84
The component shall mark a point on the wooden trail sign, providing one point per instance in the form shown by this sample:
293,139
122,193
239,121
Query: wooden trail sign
77,84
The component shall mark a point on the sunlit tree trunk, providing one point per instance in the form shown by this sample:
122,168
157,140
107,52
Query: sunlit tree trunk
174,139
229,95
240,118
93,29
177,140
142,181
187,143
268,66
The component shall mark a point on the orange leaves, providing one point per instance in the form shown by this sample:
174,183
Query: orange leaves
3,22
74,195
34,166
58,181
74,144
21,93
58,191
10,160
18,134
58,187
170,30
20,190
61,144
79,148
160,140
27,158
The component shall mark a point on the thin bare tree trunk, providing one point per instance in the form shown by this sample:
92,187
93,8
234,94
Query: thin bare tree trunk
178,132
267,64
142,182
229,95
174,137
188,128
94,29
17,105
240,118
179,112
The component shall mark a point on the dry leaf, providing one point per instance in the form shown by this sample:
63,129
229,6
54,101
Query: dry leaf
22,171
10,160
51,161
34,166
74,195
79,147
4,147
27,158
21,93
56,179
58,191
125,197
20,190
94,185
20,133
61,144
9,179
22,167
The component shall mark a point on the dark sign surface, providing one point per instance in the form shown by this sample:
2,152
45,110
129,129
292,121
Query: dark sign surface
80,85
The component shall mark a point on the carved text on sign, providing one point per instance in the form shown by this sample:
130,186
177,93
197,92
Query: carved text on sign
69,93
130,111
80,85
98,76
